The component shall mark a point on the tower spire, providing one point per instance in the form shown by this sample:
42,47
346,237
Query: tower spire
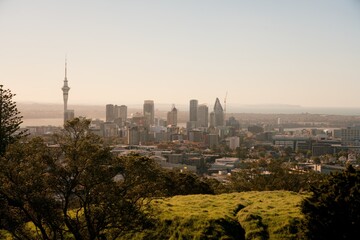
68,114
65,88
65,67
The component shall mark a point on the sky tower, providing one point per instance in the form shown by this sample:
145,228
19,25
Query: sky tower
68,114
65,89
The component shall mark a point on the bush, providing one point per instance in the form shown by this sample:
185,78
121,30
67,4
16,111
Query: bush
333,209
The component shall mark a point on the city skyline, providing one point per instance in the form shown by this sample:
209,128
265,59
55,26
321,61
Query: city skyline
298,53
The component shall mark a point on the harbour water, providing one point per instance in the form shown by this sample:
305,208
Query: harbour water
28,122
239,109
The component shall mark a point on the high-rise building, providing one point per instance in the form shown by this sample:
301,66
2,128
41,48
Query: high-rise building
218,114
212,119
148,111
116,112
213,140
110,113
68,114
133,136
232,122
196,135
172,116
123,113
110,129
233,142
350,136
138,119
193,110
203,115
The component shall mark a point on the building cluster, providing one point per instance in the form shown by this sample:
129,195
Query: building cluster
207,129
179,158
319,142
143,128
198,144
146,129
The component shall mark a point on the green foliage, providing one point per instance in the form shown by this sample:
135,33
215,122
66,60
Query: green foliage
184,183
5,235
217,187
84,181
23,189
77,188
333,209
70,189
246,215
10,120
272,175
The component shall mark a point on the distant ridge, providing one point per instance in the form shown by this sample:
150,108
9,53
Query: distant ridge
54,110
270,105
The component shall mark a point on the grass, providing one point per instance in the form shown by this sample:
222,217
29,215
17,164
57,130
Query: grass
5,235
246,215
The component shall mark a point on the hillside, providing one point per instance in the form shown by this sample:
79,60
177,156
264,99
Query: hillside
246,215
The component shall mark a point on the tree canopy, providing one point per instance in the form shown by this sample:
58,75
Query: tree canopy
74,188
333,209
10,120
78,188
272,175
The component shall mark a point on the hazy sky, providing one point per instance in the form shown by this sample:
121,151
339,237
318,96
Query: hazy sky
303,52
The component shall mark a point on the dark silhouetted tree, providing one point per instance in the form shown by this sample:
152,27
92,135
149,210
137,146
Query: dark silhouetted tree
333,209
78,189
184,183
10,120
75,189
272,175
26,196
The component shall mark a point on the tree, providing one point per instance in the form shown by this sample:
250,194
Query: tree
272,175
10,120
25,195
76,188
333,209
86,182
184,183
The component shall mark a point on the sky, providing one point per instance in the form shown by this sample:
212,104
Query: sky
124,52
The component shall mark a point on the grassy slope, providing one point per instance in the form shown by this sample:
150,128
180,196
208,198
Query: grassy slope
246,215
